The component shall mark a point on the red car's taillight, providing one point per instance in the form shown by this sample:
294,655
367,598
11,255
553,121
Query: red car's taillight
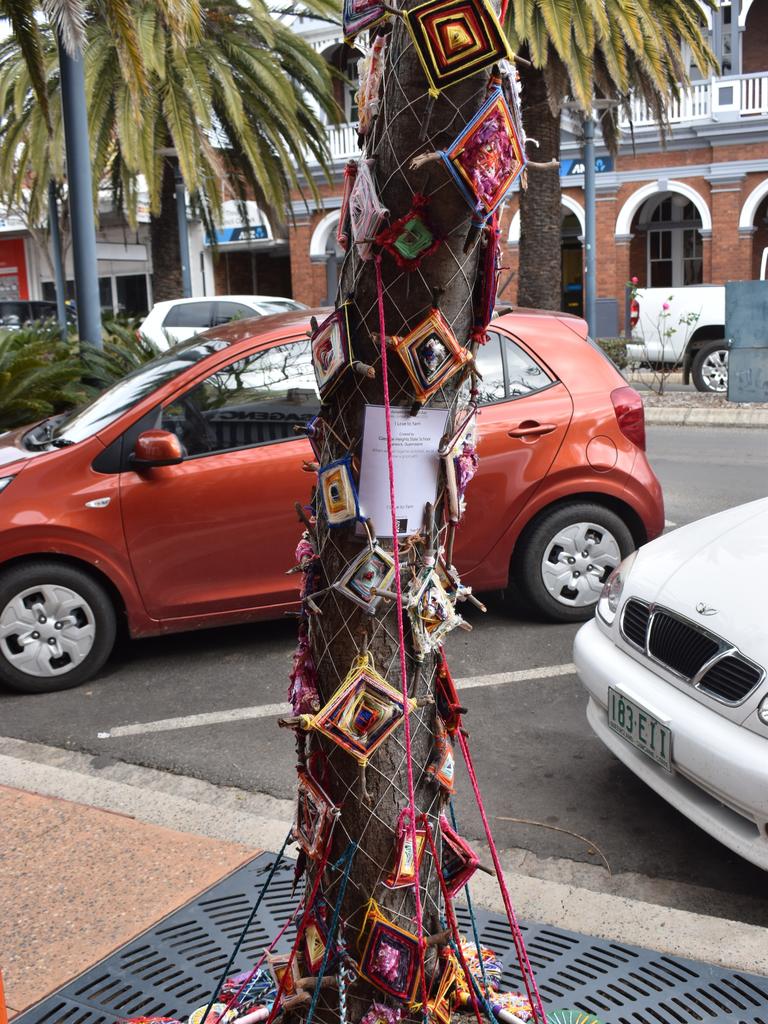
630,415
634,313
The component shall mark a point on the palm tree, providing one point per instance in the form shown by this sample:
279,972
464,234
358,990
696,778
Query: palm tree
235,102
580,51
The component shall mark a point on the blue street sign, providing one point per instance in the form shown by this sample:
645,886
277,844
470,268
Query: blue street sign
254,233
569,168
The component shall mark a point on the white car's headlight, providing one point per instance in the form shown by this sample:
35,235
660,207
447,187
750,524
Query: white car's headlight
762,711
4,481
610,599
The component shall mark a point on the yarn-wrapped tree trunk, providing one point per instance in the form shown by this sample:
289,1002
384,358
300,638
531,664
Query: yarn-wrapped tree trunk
376,288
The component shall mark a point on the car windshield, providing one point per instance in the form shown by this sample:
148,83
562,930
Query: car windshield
112,403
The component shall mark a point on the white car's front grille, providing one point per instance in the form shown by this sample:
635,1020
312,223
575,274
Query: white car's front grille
707,661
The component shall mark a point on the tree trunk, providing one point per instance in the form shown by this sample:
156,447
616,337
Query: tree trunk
343,630
164,233
540,282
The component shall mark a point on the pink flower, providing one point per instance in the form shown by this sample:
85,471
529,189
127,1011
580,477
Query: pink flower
635,280
665,306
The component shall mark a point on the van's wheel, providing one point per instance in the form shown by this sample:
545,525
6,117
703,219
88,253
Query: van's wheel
566,557
57,626
710,368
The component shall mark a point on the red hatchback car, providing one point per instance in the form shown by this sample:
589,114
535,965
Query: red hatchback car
194,527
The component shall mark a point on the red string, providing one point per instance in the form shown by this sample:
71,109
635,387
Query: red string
452,922
531,988
400,631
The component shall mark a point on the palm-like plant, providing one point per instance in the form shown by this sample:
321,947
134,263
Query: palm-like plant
579,51
236,101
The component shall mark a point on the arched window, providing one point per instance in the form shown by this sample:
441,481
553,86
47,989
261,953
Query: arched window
674,247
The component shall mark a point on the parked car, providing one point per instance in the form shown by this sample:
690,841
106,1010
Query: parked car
15,313
700,350
675,667
167,501
168,323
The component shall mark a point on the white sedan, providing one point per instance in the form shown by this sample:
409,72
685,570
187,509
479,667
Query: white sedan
171,322
675,667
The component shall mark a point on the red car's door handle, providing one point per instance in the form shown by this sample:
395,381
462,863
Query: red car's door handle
530,428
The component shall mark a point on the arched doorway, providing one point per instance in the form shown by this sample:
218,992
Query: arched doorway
666,250
572,263
760,237
571,249
344,59
754,57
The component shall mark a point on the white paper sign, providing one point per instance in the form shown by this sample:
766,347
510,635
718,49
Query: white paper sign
415,440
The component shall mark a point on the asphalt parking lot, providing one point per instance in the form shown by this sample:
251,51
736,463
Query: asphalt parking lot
201,705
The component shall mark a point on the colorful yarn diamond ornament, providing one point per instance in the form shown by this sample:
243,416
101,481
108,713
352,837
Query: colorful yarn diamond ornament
439,1006
406,866
410,239
431,354
366,211
458,860
442,765
314,813
455,39
487,157
315,940
389,955
363,712
359,15
370,571
379,1013
331,354
336,484
431,613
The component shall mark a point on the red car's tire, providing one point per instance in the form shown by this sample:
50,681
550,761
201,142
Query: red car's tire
57,626
566,556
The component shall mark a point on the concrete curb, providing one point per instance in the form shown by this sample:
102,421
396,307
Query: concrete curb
261,821
691,416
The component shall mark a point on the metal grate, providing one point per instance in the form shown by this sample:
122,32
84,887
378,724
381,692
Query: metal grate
634,623
732,679
172,968
683,648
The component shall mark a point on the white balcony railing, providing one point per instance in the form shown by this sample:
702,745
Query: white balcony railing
717,99
342,141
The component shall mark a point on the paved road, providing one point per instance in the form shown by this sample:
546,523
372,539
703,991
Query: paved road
537,759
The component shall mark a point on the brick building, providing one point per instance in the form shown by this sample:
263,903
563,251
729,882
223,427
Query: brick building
691,210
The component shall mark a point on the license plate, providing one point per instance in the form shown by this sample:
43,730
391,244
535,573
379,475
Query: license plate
640,728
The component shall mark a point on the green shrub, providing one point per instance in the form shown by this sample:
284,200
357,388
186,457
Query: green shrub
124,350
615,349
40,375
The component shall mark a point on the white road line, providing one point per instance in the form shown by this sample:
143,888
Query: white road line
668,524
272,710
521,676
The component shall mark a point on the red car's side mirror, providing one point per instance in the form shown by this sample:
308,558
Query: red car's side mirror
156,448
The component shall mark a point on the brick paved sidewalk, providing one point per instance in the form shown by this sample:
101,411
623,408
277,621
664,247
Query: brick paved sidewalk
77,882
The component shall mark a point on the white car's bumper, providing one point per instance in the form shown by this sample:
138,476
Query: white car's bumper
720,770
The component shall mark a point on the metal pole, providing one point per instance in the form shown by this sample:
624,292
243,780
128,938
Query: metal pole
58,268
80,187
181,216
590,263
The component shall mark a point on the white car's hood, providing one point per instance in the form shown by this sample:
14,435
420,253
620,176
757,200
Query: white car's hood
720,563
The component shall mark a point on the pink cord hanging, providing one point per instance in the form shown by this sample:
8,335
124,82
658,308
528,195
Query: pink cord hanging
531,987
400,630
